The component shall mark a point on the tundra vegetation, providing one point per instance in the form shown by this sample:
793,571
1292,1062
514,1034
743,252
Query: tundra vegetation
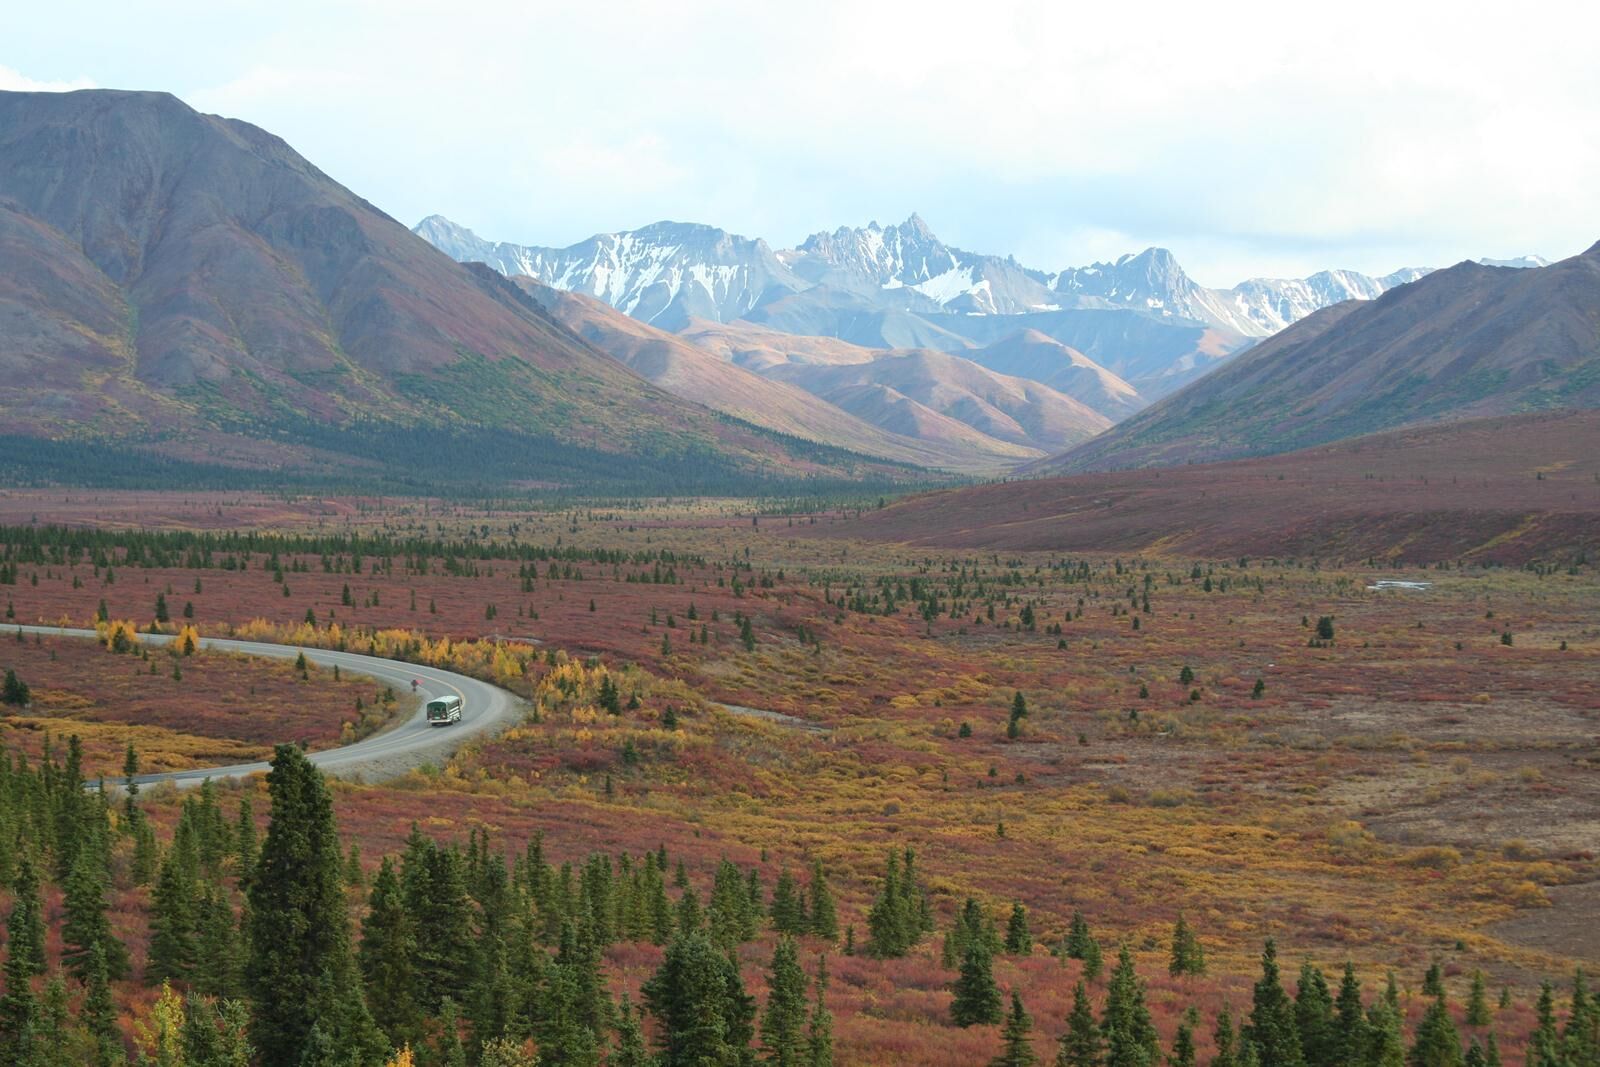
1054,808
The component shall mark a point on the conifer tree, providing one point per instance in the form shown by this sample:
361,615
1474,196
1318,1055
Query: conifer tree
1436,1043
1081,1045
246,850
1581,1036
888,926
788,906
689,916
130,787
1080,944
561,1026
388,958
1019,941
214,1033
657,905
54,1035
1478,1002
14,690
219,961
700,1006
99,1013
1433,981
85,922
977,998
1182,1054
819,1029
19,1008
971,926
1017,1036
1188,958
435,889
1314,1018
631,1050
824,917
1129,1033
174,925
25,925
729,911
1226,1041
1272,1026
783,1022
299,960
451,1051
1351,1034
1385,1042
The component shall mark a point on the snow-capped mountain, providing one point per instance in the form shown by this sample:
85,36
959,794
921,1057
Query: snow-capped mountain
664,274
899,286
907,265
669,272
1272,304
1153,281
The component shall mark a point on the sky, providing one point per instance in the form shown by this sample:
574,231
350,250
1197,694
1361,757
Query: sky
1251,139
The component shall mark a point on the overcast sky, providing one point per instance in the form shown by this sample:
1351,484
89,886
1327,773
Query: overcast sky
1249,138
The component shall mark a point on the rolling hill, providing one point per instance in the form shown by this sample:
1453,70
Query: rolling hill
187,285
1508,489
1465,342
690,371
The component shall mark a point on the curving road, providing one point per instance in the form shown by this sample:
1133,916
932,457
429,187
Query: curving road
487,709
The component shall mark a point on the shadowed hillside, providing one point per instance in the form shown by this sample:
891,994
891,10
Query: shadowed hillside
1509,489
1460,343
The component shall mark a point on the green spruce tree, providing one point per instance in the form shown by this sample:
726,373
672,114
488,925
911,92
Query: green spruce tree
1081,1045
1016,1037
783,1023
977,998
300,965
1272,1024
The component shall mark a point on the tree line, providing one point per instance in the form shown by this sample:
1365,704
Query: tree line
465,956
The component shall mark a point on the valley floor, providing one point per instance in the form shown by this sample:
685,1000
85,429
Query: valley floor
1419,787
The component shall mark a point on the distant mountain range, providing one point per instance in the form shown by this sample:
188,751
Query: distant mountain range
1140,318
179,290
668,273
190,288
917,405
1467,342
905,332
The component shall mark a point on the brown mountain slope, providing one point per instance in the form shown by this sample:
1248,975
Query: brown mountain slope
760,347
184,278
1509,489
1031,354
1011,409
1458,343
698,374
882,385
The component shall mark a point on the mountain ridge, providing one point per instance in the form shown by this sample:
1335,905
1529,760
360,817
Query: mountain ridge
189,282
906,266
1467,341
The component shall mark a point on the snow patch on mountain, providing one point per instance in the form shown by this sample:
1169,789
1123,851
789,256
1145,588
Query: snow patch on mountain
668,273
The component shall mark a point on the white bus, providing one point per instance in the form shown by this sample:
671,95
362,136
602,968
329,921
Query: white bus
444,710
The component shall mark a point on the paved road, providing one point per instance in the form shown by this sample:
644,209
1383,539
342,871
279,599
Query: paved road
487,709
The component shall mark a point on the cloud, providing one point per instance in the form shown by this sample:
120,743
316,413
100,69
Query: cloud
1248,137
17,82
